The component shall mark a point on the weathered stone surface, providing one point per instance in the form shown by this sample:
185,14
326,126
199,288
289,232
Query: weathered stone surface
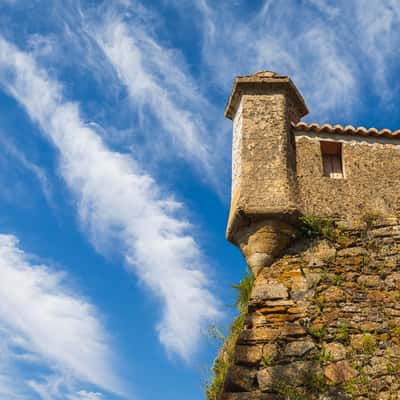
386,231
292,330
298,283
258,335
379,366
261,241
320,254
392,281
340,372
256,395
356,342
269,290
352,252
297,373
368,184
334,294
335,395
298,348
347,319
239,379
270,351
372,281
336,351
248,354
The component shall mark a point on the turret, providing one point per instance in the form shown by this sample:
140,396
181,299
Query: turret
264,202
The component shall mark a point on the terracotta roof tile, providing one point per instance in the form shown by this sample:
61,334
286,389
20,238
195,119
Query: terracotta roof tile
346,130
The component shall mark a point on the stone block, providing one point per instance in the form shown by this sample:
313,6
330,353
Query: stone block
248,354
298,348
340,372
295,373
269,290
239,379
336,351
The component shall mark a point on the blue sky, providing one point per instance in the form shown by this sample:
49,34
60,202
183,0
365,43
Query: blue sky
115,174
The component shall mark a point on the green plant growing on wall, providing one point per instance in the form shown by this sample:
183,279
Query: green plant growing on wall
220,369
267,361
225,356
395,331
355,385
312,226
368,343
343,333
393,368
337,280
243,292
288,392
216,333
315,382
317,332
323,355
370,218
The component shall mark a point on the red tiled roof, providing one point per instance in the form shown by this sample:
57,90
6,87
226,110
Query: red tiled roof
346,130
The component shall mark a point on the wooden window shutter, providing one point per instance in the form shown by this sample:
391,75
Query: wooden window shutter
332,159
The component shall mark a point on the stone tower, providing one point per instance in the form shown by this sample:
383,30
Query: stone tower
315,210
264,188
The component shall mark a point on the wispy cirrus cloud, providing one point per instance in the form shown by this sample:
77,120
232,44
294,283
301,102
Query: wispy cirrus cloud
119,205
85,395
302,47
327,49
10,150
159,83
379,37
171,118
42,321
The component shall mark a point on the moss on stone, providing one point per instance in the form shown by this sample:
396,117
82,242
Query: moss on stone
368,342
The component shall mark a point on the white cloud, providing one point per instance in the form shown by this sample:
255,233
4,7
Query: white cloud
9,388
379,37
45,323
305,47
158,81
84,395
337,53
64,387
10,149
119,205
325,7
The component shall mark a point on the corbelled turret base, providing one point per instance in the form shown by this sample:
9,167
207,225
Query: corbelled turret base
262,241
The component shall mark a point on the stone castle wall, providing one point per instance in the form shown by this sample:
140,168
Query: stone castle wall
323,321
371,178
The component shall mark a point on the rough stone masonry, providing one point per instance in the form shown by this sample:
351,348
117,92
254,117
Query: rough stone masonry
315,212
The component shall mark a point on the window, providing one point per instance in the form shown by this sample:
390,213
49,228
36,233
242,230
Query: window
332,159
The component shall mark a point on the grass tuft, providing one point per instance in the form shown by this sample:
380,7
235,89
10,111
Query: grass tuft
225,356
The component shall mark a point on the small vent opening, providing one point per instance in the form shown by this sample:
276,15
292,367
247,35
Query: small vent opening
332,159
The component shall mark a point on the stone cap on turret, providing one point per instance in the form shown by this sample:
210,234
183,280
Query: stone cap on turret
263,80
